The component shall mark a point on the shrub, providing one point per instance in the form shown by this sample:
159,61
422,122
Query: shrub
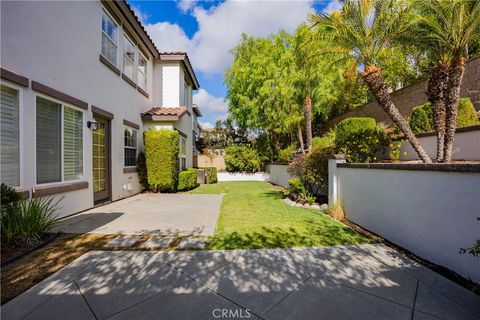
187,180
325,141
241,159
346,127
211,175
285,155
28,220
161,153
360,141
315,169
421,119
296,191
9,197
142,170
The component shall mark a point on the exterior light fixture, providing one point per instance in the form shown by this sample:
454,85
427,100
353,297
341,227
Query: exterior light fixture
92,125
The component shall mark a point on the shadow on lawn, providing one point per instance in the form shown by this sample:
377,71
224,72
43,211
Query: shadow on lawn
316,234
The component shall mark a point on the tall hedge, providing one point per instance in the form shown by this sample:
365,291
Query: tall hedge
421,119
161,153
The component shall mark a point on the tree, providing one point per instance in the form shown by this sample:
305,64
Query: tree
361,33
446,29
259,87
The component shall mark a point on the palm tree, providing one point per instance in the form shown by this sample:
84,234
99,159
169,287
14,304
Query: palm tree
362,31
446,28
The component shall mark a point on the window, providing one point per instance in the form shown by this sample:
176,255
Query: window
185,95
59,142
142,71
183,153
10,137
128,58
130,154
109,38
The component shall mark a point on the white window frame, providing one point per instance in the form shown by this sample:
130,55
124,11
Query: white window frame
20,129
124,55
84,124
181,156
115,43
128,147
140,55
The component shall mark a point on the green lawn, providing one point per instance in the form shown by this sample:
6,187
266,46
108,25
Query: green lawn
254,216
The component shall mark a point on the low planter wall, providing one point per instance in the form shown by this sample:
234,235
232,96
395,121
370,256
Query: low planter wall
428,209
230,176
279,174
466,145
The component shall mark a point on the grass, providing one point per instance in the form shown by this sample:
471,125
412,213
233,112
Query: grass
253,216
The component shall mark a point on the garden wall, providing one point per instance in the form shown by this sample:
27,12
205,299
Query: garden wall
205,161
466,145
237,176
279,174
414,95
428,209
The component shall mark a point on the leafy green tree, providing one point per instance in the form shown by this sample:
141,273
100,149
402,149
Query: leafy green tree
362,33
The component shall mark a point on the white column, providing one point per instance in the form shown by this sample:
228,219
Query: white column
333,182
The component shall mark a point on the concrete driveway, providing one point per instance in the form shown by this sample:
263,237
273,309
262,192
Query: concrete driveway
150,213
341,282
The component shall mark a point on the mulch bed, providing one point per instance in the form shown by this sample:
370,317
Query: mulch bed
12,252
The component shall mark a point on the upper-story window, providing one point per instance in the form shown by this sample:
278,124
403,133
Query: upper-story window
185,94
142,71
109,38
128,58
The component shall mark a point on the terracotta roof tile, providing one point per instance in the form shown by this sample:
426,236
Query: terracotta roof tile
166,111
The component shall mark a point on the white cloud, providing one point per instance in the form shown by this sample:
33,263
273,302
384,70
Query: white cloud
332,6
220,29
186,5
142,16
206,125
209,103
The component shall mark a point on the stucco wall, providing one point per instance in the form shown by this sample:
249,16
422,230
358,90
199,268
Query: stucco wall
414,95
466,145
231,176
58,44
279,174
431,213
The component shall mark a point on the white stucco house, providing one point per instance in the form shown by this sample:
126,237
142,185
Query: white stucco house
68,68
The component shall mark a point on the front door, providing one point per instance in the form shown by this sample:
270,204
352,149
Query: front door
101,160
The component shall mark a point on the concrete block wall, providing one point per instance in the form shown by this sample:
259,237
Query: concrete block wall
414,95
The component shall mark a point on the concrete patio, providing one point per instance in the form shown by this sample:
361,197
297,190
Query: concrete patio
340,282
165,214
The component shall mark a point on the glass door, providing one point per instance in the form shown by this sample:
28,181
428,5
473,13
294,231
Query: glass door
101,160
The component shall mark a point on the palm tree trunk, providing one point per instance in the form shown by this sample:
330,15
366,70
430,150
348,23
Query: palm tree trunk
452,96
436,96
307,106
300,137
377,87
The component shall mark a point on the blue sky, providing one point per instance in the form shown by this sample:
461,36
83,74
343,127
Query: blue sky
208,30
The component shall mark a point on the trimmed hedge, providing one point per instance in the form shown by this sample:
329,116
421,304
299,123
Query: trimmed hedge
142,170
211,175
421,119
361,140
161,153
350,125
187,180
242,159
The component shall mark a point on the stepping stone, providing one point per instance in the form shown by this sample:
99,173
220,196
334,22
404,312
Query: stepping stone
157,242
123,242
192,243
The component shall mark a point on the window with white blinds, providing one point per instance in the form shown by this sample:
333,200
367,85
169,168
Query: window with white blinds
10,137
130,149
109,38
58,148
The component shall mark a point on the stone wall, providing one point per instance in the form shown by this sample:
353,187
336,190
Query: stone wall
414,95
